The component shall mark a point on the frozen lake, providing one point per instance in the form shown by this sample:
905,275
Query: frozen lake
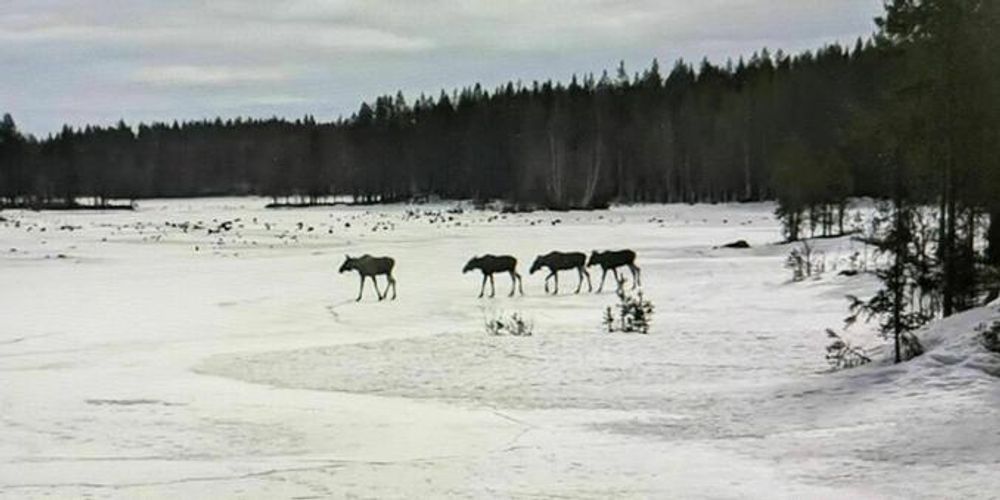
165,353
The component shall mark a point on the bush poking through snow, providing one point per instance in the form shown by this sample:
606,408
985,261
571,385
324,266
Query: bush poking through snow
911,345
632,314
856,263
805,262
991,336
898,327
515,325
842,354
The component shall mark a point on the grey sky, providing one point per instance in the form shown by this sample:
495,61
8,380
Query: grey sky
101,60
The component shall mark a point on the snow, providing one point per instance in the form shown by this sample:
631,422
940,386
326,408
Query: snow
138,359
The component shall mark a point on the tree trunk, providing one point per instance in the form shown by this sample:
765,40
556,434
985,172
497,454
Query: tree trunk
993,238
897,284
747,183
621,176
555,179
948,299
595,173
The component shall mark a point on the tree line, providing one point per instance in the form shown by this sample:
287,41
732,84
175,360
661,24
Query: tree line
695,133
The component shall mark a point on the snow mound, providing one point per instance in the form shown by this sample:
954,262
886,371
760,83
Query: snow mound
953,345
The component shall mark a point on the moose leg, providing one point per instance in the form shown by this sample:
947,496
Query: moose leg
547,278
513,284
361,290
493,287
604,274
482,287
520,283
392,281
381,295
583,273
636,275
618,279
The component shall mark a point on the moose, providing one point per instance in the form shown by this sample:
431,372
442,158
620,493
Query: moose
491,264
611,261
559,261
368,266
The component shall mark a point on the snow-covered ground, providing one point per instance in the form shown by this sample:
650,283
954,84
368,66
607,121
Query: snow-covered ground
157,354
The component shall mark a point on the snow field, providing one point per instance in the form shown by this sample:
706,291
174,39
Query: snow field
140,359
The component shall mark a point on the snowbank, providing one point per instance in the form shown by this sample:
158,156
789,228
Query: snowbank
957,343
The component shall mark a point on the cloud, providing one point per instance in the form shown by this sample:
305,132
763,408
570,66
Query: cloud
242,37
100,60
208,76
395,26
276,100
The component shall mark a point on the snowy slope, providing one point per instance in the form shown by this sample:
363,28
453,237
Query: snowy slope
158,354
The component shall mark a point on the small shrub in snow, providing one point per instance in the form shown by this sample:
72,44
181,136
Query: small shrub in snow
898,328
632,314
842,354
991,336
501,324
856,263
911,345
805,262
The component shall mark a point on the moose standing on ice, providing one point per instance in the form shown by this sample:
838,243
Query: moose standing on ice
491,264
368,266
611,261
559,261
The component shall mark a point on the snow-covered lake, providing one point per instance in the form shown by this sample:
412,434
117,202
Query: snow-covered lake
156,354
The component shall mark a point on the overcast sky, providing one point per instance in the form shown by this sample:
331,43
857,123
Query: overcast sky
64,61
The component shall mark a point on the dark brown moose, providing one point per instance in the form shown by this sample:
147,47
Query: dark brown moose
368,266
611,261
492,264
559,261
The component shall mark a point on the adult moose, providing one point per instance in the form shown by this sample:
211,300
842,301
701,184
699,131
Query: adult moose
611,261
491,264
559,261
368,266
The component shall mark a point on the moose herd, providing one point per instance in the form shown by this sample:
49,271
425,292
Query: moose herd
368,266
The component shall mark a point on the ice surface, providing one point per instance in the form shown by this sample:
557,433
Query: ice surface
158,354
